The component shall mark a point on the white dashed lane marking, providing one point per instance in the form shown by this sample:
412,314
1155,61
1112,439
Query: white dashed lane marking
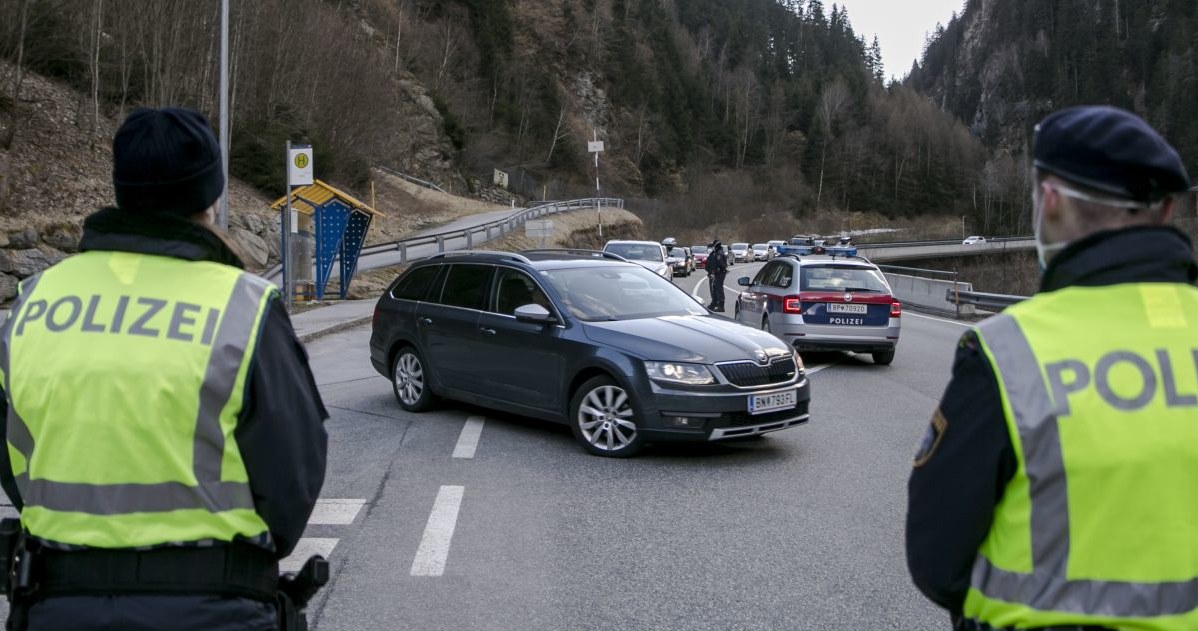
468,439
328,512
307,547
335,512
438,534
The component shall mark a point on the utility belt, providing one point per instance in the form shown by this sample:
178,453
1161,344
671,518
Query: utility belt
238,570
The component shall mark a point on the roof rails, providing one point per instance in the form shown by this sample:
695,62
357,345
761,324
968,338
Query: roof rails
502,255
577,253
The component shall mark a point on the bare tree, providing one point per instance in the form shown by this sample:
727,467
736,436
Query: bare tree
831,104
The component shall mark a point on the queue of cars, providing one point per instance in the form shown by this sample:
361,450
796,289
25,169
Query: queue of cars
604,342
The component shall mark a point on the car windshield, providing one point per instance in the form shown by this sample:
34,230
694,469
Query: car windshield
842,278
698,249
740,246
636,251
619,292
761,246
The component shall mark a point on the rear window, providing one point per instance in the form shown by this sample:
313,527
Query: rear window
466,286
636,251
415,285
842,278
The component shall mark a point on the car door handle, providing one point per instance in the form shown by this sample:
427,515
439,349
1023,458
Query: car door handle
487,330
426,321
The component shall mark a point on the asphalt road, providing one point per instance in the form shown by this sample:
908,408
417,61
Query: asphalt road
463,518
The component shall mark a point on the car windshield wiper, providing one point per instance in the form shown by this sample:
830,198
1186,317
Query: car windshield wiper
866,289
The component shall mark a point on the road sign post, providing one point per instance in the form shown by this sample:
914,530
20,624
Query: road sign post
595,146
299,173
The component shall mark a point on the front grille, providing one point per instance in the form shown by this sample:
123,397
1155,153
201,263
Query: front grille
752,375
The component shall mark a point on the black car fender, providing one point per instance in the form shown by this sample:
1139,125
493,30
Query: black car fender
625,370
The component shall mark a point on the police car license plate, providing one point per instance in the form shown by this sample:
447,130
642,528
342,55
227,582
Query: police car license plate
834,307
762,403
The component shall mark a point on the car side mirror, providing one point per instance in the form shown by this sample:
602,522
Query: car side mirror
744,281
534,314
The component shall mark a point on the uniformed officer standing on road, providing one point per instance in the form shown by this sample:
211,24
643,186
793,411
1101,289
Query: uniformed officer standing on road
1055,488
165,435
717,269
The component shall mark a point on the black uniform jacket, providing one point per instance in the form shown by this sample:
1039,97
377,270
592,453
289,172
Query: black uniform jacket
281,429
967,458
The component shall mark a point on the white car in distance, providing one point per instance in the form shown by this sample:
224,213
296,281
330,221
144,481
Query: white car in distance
649,254
741,252
974,240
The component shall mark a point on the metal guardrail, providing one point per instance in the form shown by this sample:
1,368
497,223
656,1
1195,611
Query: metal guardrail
492,229
909,244
985,301
412,179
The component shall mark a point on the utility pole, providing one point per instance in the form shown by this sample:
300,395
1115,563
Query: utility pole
224,110
596,147
962,226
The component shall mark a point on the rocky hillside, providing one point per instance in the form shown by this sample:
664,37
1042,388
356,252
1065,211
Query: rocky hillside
59,173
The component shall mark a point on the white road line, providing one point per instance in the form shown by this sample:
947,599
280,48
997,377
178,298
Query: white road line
307,547
335,512
434,546
468,439
920,315
811,370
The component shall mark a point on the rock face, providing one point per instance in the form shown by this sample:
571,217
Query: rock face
8,287
252,247
420,146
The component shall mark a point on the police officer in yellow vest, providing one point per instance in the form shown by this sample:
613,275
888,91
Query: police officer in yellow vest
165,435
1057,487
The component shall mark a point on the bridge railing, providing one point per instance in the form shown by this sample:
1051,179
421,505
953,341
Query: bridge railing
996,302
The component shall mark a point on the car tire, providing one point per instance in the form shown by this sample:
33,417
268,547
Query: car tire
603,418
409,379
883,358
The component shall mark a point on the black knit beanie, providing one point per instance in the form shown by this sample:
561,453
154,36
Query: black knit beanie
166,161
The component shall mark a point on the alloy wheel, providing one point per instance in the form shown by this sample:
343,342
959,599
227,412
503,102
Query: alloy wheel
605,419
409,379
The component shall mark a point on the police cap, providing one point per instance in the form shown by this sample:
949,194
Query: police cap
1110,150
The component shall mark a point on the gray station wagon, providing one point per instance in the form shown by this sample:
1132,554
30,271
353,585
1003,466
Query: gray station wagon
621,355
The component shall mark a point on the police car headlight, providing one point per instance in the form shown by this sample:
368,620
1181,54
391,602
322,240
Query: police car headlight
686,374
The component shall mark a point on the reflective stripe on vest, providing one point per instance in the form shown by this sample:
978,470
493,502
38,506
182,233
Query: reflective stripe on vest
1034,416
222,324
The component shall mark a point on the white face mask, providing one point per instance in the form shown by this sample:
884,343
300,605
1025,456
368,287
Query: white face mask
1043,250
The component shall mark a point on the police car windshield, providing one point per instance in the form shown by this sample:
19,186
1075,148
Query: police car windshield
636,251
841,278
623,292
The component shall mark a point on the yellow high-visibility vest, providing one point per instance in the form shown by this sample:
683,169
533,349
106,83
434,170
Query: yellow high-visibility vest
1099,524
125,375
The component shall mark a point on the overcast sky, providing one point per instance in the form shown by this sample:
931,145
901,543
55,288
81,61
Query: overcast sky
899,24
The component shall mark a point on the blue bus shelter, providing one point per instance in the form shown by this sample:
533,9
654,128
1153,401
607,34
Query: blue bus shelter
337,223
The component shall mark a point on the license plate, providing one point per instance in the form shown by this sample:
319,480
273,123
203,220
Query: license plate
836,307
762,403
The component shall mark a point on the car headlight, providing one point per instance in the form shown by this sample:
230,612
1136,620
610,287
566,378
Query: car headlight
673,372
799,361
